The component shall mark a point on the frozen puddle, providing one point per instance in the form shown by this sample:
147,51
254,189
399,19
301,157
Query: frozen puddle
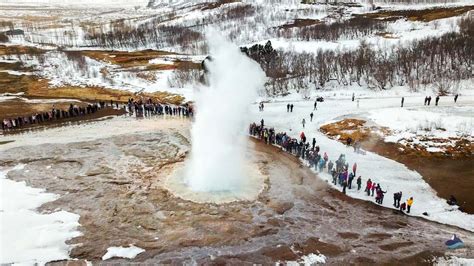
29,237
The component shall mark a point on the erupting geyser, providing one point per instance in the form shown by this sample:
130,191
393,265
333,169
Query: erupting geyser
218,134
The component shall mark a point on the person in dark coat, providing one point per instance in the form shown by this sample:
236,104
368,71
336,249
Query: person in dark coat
288,108
403,100
359,182
437,100
456,98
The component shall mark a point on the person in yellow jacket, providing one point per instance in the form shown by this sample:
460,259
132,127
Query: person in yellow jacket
409,203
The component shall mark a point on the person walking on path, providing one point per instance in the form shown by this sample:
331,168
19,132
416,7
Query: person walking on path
374,186
288,108
437,100
456,98
359,183
314,142
429,100
291,108
403,100
315,105
426,100
409,203
353,96
368,187
311,117
303,122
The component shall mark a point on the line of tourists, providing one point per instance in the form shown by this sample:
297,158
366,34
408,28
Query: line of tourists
141,108
52,115
312,155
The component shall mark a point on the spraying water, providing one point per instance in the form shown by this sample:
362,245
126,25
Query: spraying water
217,160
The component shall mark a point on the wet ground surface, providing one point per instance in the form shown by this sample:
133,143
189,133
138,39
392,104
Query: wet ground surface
115,185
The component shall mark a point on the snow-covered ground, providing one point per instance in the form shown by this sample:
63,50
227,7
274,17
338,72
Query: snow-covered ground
392,175
27,236
412,126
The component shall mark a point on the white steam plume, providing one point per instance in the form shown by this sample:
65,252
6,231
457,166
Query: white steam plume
219,138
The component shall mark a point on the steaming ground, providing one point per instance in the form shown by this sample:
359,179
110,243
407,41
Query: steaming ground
110,173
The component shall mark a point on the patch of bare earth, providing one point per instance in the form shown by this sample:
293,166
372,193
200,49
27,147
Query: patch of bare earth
425,15
448,172
298,23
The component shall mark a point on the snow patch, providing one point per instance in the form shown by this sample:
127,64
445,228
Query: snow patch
29,237
307,260
122,252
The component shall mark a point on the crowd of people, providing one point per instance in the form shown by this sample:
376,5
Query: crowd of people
55,114
140,108
311,153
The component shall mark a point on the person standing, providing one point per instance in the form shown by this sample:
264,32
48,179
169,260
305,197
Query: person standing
288,108
395,199
437,100
368,187
291,108
311,117
330,165
353,96
403,100
359,183
262,123
344,186
354,168
315,105
303,122
351,178
456,98
429,100
314,142
409,203
426,100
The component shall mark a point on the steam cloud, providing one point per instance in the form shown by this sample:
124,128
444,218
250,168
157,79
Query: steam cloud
218,134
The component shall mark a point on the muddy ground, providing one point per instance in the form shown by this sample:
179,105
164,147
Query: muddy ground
447,174
115,185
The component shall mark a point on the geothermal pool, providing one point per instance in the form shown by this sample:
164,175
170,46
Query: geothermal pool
114,179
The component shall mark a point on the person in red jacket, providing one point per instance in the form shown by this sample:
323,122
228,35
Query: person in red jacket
303,137
368,187
354,168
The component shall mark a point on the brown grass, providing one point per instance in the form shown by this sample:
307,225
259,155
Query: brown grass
353,128
424,15
16,49
41,89
126,59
